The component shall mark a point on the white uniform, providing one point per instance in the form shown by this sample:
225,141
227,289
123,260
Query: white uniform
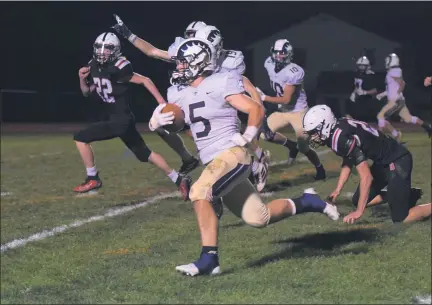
292,74
392,86
395,101
212,120
230,60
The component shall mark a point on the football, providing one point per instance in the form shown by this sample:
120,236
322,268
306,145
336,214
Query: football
179,121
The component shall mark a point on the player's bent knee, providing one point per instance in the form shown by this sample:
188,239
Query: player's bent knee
81,137
303,146
141,153
199,192
255,213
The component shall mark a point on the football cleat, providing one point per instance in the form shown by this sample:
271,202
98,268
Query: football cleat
187,167
207,264
184,184
91,183
321,173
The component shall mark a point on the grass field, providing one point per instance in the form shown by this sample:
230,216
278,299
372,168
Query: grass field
129,256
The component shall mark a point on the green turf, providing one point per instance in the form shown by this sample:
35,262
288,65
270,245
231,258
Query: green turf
131,258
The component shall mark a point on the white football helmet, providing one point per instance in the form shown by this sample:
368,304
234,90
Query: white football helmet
192,28
194,56
281,53
392,60
318,123
106,48
363,64
213,35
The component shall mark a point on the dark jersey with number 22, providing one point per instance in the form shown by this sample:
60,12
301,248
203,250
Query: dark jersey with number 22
112,84
356,141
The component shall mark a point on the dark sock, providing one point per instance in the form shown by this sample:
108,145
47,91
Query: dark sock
309,203
210,250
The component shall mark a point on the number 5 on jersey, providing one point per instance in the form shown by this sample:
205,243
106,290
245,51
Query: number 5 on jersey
196,119
104,89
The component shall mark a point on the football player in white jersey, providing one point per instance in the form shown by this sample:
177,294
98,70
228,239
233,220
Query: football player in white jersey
286,79
172,139
231,60
210,102
395,85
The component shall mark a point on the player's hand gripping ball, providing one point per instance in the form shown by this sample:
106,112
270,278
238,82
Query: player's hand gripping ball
179,122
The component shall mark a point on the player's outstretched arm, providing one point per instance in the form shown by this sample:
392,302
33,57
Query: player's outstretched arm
251,90
83,73
150,86
142,45
246,105
365,185
343,178
285,99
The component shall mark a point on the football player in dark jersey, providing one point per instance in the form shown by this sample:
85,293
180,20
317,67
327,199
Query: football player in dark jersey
109,75
172,139
356,142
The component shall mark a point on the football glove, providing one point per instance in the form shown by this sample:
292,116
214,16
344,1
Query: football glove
160,119
123,30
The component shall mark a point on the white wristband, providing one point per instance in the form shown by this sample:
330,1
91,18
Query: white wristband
132,38
250,133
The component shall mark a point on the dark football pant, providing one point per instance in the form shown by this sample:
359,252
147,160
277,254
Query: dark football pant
122,126
397,177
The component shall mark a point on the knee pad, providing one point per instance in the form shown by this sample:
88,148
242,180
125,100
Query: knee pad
199,191
414,120
303,146
255,213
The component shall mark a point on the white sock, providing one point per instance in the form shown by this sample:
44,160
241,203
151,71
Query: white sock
173,176
294,210
259,152
255,166
395,133
91,171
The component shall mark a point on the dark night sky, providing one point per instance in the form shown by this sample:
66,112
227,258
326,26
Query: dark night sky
45,43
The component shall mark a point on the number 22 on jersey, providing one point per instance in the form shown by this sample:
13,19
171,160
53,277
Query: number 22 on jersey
104,89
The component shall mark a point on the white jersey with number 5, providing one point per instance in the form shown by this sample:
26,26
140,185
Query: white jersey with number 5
213,121
230,60
392,86
292,74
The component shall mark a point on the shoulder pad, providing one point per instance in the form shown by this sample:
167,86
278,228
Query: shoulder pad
121,63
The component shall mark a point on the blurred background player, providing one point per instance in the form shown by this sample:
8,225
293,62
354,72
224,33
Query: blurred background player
172,139
364,86
395,86
109,74
286,79
210,102
356,142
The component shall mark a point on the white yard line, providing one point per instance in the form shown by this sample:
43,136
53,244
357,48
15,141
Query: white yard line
16,243
423,299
